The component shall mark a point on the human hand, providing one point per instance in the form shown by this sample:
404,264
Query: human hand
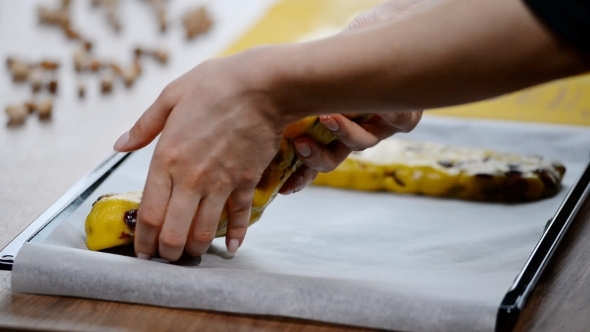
352,136
197,166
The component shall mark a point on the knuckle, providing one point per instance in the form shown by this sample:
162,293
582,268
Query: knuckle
172,239
240,207
169,93
414,118
220,185
249,179
170,156
315,159
326,166
203,236
149,217
237,230
343,133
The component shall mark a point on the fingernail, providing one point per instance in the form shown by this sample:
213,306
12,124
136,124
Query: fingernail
121,142
233,245
330,123
143,256
303,149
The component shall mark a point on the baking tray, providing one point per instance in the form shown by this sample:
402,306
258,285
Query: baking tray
509,309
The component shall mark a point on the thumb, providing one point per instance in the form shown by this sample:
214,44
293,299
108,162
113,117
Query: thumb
148,126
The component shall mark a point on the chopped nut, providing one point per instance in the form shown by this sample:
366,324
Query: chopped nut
106,83
116,68
88,46
49,65
94,64
81,89
17,115
111,7
137,52
36,79
31,106
159,7
71,33
83,61
20,70
52,86
59,17
161,15
196,22
79,60
129,75
44,109
161,55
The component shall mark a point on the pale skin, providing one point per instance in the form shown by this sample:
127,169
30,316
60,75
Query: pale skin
221,122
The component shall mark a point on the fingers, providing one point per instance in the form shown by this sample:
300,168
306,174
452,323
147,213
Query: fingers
404,121
181,210
149,125
205,223
151,213
320,158
299,180
293,181
356,137
239,208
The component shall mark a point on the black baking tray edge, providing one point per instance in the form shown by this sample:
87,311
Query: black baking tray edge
63,207
515,300
510,308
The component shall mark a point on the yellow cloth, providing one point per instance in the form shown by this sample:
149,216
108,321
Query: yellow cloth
565,101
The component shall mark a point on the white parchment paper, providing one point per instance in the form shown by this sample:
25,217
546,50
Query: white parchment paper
376,260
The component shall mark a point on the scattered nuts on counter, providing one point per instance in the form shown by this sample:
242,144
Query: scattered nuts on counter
42,76
129,75
196,21
159,7
85,61
111,7
60,17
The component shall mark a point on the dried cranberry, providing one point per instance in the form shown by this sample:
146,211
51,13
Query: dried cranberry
130,218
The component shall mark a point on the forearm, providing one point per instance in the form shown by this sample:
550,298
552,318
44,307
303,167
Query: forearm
456,52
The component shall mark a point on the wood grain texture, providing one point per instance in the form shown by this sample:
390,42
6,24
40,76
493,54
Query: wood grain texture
63,313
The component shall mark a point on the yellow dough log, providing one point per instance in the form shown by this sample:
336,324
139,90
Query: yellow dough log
431,169
111,221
